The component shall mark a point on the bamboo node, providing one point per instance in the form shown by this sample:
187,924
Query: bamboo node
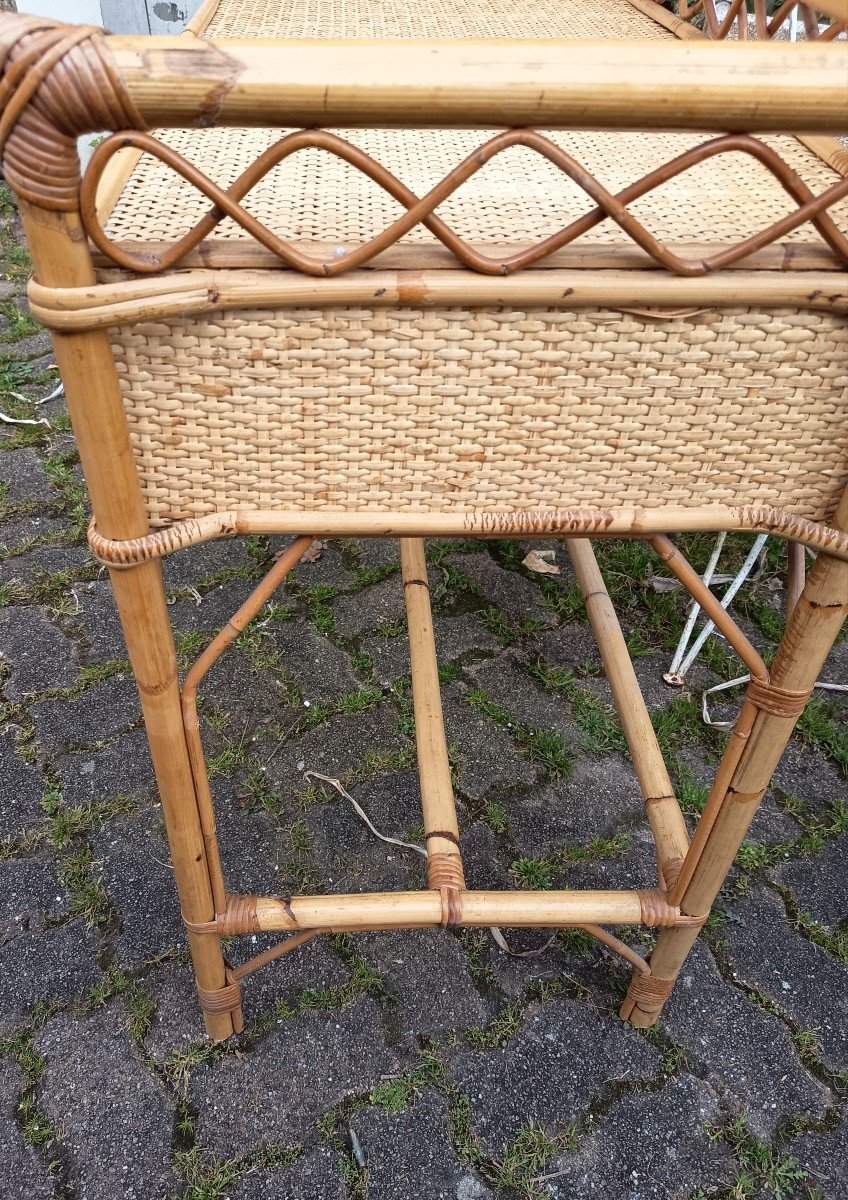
777,701
657,913
443,833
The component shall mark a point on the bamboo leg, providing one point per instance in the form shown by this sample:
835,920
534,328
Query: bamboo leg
811,630
61,259
444,861
664,815
140,597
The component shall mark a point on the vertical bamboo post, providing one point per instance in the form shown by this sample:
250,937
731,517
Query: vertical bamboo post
444,863
811,630
61,259
664,815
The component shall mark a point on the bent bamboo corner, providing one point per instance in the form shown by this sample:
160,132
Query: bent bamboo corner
58,82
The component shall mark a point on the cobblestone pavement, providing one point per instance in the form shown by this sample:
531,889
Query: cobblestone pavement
454,1070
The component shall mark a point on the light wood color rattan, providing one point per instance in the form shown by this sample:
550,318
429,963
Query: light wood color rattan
329,360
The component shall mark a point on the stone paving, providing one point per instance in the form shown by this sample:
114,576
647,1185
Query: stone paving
421,1066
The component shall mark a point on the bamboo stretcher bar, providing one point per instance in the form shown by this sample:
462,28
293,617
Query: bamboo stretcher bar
478,83
120,303
345,523
188,700
441,828
408,910
666,819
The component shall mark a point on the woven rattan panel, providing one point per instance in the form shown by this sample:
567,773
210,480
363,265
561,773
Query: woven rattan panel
458,410
437,19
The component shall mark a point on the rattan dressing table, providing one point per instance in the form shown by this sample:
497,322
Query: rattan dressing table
580,286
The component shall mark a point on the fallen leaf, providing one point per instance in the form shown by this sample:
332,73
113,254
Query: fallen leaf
310,556
314,552
542,562
661,583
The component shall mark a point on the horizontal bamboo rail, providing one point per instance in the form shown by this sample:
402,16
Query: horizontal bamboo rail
127,302
828,149
247,255
414,910
345,523
477,83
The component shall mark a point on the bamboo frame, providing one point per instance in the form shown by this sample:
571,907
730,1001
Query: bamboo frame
551,84
828,149
119,172
60,258
664,814
48,97
596,523
736,18
441,827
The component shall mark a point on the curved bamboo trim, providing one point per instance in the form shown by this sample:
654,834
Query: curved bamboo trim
620,522
227,203
475,83
192,292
